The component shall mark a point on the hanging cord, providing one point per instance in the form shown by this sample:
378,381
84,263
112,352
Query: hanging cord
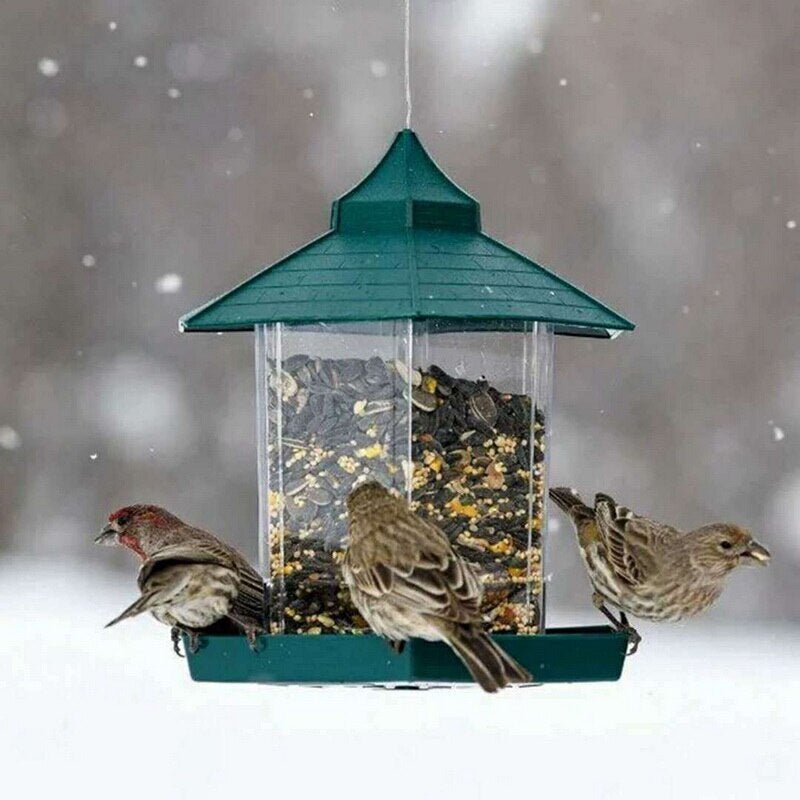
408,63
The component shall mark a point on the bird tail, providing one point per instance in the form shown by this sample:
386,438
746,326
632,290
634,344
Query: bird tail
140,605
569,501
487,662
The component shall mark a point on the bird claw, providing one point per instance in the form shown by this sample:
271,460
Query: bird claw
175,636
634,639
252,639
194,641
397,645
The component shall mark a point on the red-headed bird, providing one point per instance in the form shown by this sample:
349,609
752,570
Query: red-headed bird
189,579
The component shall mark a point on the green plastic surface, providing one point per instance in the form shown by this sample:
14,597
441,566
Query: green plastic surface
406,243
560,655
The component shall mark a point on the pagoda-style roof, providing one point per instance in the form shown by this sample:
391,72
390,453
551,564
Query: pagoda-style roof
406,243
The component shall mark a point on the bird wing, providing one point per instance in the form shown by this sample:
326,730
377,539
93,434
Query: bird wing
628,540
190,552
411,560
249,606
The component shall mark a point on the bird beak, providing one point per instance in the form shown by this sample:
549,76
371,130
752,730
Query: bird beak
758,554
109,535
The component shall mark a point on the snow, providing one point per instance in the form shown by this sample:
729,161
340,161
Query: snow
791,224
563,82
9,438
112,26
701,712
778,434
140,61
89,261
169,283
49,67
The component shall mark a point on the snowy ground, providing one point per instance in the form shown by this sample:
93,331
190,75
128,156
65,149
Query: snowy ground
700,713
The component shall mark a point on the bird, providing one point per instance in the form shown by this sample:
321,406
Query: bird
407,581
188,578
649,569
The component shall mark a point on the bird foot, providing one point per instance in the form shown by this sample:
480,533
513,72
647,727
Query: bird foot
194,641
252,638
175,636
634,639
398,645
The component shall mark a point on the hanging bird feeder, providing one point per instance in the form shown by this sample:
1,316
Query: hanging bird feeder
407,346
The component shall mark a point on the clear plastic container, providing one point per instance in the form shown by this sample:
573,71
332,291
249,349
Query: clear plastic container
443,415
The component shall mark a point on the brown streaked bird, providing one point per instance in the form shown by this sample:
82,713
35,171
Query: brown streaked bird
407,581
651,570
189,579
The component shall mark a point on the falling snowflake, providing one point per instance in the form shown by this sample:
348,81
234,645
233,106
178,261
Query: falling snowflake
93,456
169,283
596,17
563,82
235,135
9,438
89,261
378,69
173,92
791,224
684,309
112,26
140,61
49,67
778,434
308,94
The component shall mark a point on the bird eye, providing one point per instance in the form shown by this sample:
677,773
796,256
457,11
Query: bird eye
725,545
123,520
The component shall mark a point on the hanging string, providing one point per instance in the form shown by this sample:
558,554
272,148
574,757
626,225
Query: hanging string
408,63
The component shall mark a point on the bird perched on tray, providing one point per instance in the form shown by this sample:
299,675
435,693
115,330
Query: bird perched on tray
651,570
407,581
189,579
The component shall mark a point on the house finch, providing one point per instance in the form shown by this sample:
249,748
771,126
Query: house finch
406,580
189,579
649,569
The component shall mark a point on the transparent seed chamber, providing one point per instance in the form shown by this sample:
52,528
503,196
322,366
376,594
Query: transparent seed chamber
454,419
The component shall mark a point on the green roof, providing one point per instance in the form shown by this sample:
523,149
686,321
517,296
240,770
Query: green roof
406,243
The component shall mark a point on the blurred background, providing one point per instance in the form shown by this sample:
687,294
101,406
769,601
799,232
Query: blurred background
154,154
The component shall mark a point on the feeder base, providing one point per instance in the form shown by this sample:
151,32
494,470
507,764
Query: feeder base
561,655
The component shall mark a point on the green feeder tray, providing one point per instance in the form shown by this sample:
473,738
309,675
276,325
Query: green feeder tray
561,655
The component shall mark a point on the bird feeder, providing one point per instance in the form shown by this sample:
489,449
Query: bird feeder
406,346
